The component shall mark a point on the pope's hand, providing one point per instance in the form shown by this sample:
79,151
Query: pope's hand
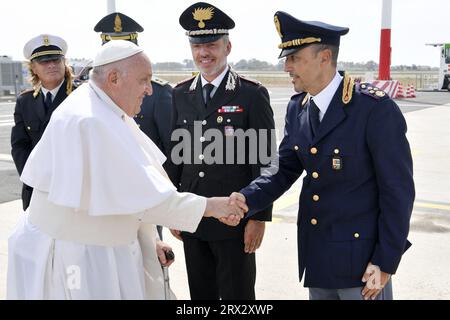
161,248
226,210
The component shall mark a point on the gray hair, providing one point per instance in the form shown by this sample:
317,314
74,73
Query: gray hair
334,51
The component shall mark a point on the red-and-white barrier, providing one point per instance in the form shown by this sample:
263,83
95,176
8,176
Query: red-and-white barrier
391,87
410,92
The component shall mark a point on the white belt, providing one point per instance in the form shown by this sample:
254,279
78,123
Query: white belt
65,223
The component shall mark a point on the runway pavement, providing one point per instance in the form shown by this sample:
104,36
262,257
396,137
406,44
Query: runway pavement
423,272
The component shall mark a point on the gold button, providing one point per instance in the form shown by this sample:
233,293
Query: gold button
28,128
356,235
313,221
336,151
313,150
296,148
316,197
315,175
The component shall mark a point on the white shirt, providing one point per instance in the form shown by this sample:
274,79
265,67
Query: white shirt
54,92
216,82
324,97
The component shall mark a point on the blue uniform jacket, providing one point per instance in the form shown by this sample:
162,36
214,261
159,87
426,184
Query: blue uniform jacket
358,194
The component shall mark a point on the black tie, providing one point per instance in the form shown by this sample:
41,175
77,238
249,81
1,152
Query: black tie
208,89
314,116
48,102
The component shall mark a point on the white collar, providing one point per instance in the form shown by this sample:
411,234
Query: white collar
218,80
324,97
54,91
105,98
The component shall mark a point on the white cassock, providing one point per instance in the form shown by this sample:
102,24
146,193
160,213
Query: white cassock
99,191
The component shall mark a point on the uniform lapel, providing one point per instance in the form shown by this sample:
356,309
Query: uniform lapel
333,117
304,127
60,96
227,90
195,95
40,108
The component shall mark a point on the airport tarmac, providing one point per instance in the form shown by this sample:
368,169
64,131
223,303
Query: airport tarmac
423,272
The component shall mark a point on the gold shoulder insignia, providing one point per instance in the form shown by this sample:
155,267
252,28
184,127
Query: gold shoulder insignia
69,87
160,81
305,99
370,90
347,92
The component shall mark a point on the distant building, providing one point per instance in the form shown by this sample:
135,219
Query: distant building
12,75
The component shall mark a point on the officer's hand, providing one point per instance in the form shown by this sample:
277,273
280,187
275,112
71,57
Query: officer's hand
253,236
161,248
375,280
176,234
225,209
238,198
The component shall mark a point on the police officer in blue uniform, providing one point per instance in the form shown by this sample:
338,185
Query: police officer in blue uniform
52,82
220,260
155,115
358,192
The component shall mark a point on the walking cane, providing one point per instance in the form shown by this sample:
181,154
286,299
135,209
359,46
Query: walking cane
169,256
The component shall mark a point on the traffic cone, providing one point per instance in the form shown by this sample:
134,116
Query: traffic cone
411,93
400,93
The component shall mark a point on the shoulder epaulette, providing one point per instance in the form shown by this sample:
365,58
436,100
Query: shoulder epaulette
370,90
254,81
347,90
159,81
185,80
26,91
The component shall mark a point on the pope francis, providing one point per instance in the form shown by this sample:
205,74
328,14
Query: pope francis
99,189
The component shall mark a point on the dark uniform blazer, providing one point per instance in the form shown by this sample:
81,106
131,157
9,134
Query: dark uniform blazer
30,122
238,103
358,194
155,115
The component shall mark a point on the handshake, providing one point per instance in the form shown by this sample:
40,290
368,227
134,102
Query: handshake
228,210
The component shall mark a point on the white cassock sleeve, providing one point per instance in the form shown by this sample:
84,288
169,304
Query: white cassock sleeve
93,160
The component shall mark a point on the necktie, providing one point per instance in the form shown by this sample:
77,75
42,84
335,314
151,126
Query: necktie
48,102
208,89
314,119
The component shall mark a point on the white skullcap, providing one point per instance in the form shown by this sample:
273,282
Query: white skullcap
116,50
45,47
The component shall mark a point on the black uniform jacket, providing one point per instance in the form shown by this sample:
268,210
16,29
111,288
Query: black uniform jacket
209,168
30,121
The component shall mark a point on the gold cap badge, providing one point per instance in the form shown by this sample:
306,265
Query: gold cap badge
277,25
46,41
117,24
201,14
